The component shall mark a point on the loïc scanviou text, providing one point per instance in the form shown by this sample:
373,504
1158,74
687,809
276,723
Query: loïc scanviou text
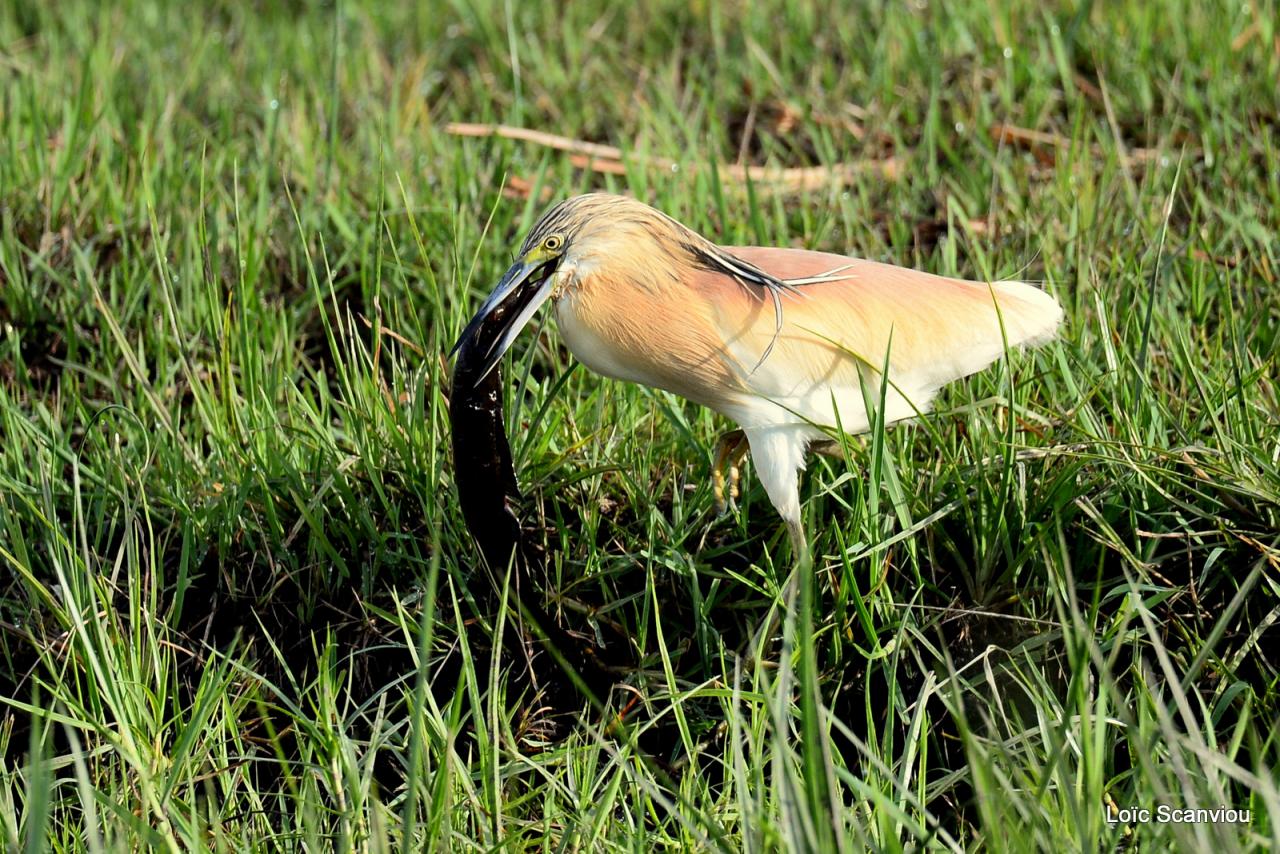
1166,814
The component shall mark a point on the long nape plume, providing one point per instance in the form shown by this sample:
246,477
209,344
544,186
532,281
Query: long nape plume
756,281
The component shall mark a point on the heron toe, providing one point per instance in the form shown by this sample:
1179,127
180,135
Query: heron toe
731,448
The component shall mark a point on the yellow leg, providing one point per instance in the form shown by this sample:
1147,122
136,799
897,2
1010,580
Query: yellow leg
800,546
730,450
804,564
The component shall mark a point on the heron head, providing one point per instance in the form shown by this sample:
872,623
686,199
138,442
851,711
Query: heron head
518,295
576,234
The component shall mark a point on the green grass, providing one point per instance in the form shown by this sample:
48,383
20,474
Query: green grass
240,607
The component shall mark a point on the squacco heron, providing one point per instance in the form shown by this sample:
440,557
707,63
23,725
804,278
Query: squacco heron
781,341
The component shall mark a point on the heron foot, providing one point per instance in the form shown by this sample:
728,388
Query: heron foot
731,448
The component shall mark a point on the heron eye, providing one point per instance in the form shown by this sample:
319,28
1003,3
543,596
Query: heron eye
553,242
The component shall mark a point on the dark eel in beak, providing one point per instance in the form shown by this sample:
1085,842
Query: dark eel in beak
487,488
521,292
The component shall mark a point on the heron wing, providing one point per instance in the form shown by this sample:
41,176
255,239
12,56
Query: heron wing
838,333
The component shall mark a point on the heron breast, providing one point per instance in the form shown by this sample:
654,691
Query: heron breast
642,340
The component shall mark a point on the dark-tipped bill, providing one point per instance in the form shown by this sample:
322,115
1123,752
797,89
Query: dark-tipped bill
520,292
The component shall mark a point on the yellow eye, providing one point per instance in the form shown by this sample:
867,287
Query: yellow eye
553,242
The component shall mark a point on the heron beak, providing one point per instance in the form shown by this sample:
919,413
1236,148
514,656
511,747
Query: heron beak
520,292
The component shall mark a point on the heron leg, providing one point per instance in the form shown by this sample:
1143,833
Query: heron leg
773,620
799,544
731,447
778,456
